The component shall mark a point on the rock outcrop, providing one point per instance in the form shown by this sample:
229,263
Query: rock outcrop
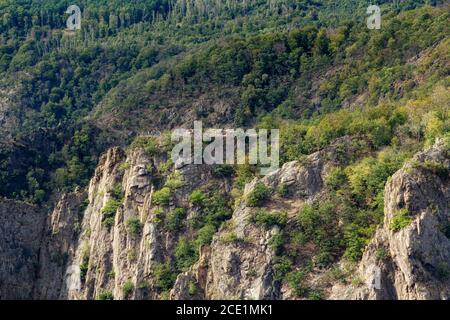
108,240
239,262
409,257
58,245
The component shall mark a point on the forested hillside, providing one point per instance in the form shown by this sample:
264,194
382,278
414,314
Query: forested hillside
146,63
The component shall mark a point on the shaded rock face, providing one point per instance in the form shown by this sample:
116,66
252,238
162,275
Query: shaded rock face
21,229
59,244
412,262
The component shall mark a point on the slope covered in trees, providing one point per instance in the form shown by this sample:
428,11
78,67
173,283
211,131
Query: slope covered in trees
146,66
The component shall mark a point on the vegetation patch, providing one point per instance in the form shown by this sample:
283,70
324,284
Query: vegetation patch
401,220
163,276
258,195
109,212
162,197
283,190
149,144
175,219
197,198
127,289
185,254
192,288
105,295
269,219
134,226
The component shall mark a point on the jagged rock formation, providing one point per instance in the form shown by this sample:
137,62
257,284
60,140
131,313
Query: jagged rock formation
112,255
59,244
41,254
413,262
241,267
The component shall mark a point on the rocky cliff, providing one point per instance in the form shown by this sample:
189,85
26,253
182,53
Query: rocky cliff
409,257
124,238
21,231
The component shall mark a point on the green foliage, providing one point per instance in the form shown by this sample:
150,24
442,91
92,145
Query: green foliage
356,239
149,144
134,226
316,295
162,197
368,177
336,179
205,235
175,219
127,289
105,295
61,78
277,242
282,265
186,254
268,220
112,205
192,288
163,276
197,198
175,181
258,195
381,255
229,238
84,266
437,168
295,281
109,212
244,174
283,190
318,225
117,191
401,220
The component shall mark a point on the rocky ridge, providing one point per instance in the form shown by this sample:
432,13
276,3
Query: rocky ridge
43,252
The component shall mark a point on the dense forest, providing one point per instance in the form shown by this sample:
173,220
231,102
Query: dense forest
130,54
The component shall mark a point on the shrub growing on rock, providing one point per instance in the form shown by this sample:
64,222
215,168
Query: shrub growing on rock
105,295
109,212
401,220
197,198
174,220
270,219
134,226
163,276
161,197
127,289
258,196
